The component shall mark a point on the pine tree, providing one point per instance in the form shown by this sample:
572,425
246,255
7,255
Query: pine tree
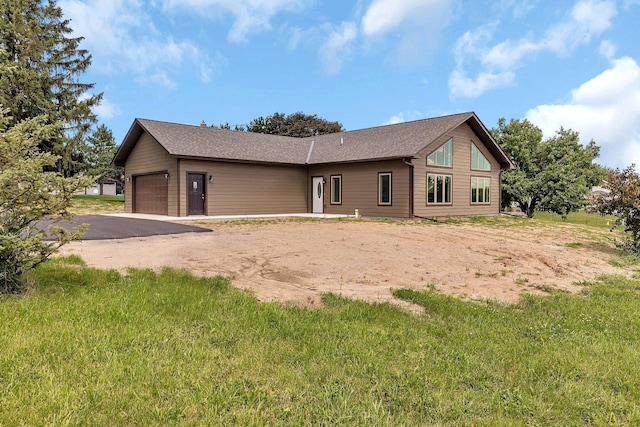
28,195
41,67
101,150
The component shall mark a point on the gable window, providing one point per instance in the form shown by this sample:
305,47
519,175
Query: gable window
442,156
439,189
384,188
336,189
480,190
478,160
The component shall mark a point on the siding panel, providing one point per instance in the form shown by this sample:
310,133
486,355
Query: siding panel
360,188
247,189
148,157
461,172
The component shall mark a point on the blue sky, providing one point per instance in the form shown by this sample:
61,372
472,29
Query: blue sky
367,63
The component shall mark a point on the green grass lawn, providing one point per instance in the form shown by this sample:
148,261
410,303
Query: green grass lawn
87,204
90,347
580,217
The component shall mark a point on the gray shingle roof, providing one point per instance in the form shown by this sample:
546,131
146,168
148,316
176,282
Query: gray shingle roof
400,140
212,143
383,142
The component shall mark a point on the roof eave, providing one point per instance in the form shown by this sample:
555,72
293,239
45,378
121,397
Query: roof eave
129,142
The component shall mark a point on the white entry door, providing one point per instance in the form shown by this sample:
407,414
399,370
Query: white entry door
318,194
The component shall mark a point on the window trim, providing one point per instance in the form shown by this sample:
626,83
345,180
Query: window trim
435,203
331,199
485,187
473,144
450,140
380,202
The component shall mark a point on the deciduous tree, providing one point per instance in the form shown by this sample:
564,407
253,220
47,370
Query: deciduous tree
298,125
622,199
555,174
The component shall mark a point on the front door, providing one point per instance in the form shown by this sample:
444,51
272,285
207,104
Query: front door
195,191
318,194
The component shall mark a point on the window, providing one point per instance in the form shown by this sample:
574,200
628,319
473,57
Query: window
438,189
442,156
336,189
384,188
478,160
480,190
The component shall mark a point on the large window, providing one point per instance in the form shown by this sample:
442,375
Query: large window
442,156
384,188
478,160
439,189
336,189
480,190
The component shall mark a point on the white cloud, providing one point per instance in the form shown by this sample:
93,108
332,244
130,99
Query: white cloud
386,15
403,117
333,51
605,109
107,110
518,8
461,85
508,54
587,19
416,23
250,16
607,49
122,36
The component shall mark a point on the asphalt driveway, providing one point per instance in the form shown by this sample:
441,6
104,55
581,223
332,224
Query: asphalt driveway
104,227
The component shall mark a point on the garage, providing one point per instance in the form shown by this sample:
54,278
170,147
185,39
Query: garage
151,194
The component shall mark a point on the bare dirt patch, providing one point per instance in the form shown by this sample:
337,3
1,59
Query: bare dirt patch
298,261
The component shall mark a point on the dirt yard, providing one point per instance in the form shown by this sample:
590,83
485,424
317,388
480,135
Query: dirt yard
297,261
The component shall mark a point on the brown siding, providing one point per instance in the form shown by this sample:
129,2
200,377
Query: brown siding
148,157
247,189
461,172
360,188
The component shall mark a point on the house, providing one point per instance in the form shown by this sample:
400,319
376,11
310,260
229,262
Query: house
441,166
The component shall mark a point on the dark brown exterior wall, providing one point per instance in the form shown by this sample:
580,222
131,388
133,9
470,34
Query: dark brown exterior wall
461,175
247,189
360,188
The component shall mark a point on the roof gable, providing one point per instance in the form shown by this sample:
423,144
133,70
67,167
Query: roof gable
402,140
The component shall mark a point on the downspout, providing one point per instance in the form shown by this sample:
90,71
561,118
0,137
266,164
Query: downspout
500,191
411,196
178,184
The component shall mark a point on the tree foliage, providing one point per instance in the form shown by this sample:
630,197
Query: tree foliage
298,125
555,174
622,199
40,67
102,148
227,126
28,195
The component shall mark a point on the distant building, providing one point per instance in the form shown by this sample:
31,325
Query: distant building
104,189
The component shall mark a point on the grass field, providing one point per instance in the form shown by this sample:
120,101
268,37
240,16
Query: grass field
84,205
89,347
581,217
